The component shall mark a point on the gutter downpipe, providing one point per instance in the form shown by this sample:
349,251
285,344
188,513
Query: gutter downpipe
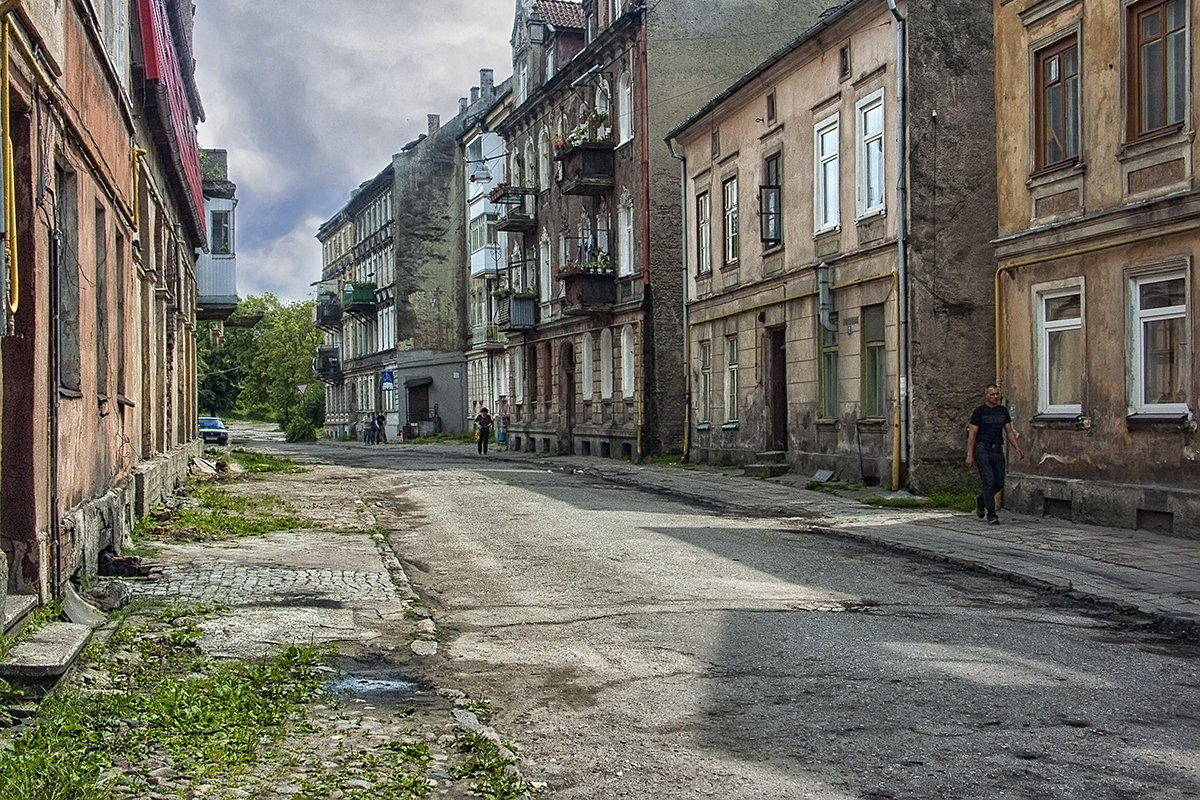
687,335
900,441
644,153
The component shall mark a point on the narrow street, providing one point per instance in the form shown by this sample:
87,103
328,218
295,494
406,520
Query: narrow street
636,646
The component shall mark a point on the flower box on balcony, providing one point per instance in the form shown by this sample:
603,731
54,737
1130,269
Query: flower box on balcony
587,291
587,167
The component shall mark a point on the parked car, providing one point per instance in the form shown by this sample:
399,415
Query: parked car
213,430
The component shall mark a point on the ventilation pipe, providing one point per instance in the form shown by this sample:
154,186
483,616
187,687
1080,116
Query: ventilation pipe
900,449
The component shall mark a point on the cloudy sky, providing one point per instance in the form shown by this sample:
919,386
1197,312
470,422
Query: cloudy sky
312,97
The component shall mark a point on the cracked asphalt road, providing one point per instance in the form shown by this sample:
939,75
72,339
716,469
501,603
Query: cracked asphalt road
635,646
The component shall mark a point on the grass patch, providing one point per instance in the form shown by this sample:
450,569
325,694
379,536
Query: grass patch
253,462
163,702
213,514
487,769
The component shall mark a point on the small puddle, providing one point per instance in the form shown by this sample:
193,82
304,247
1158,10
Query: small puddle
366,687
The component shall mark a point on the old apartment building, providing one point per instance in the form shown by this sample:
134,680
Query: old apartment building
839,208
104,213
591,295
1096,280
392,297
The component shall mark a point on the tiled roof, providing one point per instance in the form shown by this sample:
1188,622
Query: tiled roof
561,13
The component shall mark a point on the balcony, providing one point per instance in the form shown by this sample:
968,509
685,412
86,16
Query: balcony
587,167
358,299
518,207
327,366
516,312
487,337
327,313
588,288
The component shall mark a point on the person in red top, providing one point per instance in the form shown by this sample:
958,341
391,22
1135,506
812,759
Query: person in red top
990,425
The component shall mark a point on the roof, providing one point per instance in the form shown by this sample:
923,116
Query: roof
561,13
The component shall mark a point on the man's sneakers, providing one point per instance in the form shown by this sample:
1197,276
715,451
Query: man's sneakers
979,508
993,520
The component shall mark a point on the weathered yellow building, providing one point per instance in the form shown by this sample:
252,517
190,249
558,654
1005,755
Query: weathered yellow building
1096,251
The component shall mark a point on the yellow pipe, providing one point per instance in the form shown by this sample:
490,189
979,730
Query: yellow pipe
10,200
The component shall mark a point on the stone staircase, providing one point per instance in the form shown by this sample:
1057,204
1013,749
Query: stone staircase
769,464
38,661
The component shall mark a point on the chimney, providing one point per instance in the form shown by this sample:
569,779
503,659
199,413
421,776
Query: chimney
462,105
434,121
487,82
474,95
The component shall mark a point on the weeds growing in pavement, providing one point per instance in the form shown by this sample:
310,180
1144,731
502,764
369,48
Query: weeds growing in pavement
253,462
488,769
213,514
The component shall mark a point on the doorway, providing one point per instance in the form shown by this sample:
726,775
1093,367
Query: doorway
777,390
567,394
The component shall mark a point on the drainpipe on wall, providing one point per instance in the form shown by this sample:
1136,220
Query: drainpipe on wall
644,148
900,454
687,334
825,297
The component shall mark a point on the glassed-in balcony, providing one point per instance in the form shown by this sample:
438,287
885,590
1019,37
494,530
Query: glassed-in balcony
516,312
358,299
518,207
487,337
327,313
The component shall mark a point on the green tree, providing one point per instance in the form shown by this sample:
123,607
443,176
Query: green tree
280,362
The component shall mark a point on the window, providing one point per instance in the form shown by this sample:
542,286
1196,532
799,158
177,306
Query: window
870,154
1057,112
606,364
828,369
730,213
874,366
1060,351
715,144
66,255
587,378
1158,70
546,372
532,176
101,289
222,233
731,378
628,363
624,108
119,315
545,167
703,233
1160,342
771,110
521,80
481,231
704,390
518,369
545,269
625,235
826,176
770,199
844,62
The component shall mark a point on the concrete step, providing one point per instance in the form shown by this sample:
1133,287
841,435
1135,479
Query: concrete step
771,457
38,661
15,612
770,470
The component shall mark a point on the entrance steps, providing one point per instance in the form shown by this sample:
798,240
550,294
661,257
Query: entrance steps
768,464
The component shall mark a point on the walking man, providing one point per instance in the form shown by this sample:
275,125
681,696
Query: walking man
990,425
483,430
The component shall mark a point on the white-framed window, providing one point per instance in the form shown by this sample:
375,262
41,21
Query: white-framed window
521,80
624,108
703,233
545,269
587,375
1060,348
729,211
704,390
869,181
625,235
533,176
1159,358
603,108
518,372
606,364
826,175
731,378
628,362
873,391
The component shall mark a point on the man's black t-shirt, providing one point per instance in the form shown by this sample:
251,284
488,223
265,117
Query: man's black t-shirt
991,422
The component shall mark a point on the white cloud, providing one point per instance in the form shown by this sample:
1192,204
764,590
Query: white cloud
313,97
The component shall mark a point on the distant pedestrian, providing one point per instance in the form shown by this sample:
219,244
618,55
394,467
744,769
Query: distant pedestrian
372,429
483,430
381,429
990,425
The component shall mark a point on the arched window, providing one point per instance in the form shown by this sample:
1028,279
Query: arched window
603,93
628,363
531,165
545,268
518,371
624,108
587,379
625,234
606,364
545,168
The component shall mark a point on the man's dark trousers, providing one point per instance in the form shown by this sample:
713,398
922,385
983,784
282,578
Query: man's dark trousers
989,460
